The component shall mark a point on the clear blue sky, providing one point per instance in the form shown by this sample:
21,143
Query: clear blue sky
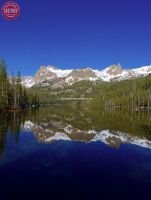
77,33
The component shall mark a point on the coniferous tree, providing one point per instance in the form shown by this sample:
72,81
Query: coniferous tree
3,84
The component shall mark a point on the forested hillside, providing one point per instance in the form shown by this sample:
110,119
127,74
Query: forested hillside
134,93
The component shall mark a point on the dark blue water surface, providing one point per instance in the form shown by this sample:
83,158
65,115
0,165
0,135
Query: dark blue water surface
73,170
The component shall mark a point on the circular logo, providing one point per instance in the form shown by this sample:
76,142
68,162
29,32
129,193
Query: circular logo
10,10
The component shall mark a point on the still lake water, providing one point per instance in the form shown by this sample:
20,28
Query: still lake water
75,152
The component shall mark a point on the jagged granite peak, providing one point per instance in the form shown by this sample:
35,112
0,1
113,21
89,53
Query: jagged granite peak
43,74
51,75
54,70
114,69
80,74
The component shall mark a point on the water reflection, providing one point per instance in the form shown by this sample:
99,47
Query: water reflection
69,133
77,123
88,124
38,166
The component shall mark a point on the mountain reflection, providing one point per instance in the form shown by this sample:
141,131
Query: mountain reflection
85,123
76,122
68,133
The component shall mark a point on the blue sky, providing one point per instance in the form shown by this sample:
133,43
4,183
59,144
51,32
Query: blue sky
73,34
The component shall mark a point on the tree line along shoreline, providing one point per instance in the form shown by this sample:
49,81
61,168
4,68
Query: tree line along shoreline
134,94
13,96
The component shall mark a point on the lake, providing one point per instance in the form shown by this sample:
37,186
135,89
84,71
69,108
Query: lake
75,151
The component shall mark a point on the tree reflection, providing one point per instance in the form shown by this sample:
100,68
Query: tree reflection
4,121
10,123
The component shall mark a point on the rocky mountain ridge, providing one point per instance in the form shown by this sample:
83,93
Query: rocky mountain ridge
58,78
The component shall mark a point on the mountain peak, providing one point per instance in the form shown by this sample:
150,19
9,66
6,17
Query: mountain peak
114,69
51,75
51,67
46,67
115,66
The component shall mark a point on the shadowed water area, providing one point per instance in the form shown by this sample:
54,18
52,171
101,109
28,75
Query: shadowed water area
75,151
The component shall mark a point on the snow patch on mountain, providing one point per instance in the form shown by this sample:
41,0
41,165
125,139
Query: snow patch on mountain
58,136
59,72
106,135
145,70
28,126
27,81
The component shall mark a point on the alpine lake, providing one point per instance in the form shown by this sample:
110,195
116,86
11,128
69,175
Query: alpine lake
75,151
